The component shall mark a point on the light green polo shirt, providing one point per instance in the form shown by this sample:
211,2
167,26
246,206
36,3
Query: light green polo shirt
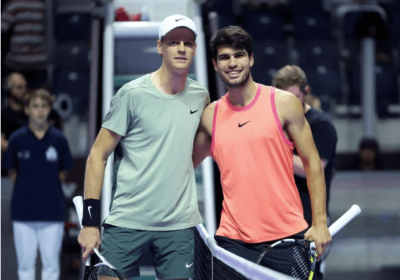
154,186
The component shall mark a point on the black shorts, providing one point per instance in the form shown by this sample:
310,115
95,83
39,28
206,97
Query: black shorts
249,251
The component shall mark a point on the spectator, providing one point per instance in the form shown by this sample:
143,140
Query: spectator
37,157
368,157
27,52
13,116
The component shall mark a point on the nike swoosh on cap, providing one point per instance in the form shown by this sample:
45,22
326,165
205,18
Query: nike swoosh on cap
178,19
192,112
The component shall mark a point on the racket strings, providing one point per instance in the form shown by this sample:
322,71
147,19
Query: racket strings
288,258
102,272
302,267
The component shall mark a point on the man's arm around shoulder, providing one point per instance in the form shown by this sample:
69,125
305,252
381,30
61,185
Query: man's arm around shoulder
202,141
104,145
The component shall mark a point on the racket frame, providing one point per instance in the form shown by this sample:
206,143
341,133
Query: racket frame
349,215
311,253
78,202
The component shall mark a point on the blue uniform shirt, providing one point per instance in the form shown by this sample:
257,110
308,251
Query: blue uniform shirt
37,194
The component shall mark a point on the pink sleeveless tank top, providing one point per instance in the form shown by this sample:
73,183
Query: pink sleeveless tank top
255,158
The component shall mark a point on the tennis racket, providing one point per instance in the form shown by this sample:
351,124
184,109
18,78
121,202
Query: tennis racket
100,271
297,258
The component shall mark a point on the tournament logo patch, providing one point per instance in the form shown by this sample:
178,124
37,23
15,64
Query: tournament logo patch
51,154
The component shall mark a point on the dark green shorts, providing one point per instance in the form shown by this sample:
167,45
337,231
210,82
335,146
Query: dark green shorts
173,251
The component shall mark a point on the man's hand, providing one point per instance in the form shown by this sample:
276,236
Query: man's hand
88,239
321,236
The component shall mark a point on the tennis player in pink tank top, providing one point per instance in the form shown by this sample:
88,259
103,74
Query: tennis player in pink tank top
251,133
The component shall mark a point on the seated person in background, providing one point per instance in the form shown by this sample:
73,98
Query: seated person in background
368,157
13,115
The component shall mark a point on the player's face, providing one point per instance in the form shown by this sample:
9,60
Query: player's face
38,111
233,66
178,48
295,89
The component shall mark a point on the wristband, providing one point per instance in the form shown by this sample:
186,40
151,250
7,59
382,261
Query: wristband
91,213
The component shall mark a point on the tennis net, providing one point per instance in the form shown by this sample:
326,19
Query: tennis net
212,262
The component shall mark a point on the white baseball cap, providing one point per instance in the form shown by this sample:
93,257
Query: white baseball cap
175,21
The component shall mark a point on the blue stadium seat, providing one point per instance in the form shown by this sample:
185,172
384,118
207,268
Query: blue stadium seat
312,26
221,7
306,6
395,27
226,20
76,83
72,27
324,81
269,57
71,79
394,6
386,82
356,24
264,26
73,54
270,53
318,52
386,88
263,75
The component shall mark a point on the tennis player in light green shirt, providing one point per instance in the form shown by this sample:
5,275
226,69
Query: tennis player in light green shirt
150,127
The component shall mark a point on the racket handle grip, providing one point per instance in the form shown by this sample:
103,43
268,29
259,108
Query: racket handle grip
78,202
353,212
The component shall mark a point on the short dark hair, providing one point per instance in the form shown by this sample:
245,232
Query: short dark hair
370,144
38,93
233,36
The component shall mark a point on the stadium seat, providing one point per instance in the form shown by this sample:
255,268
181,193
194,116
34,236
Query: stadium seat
73,54
318,52
306,6
269,57
312,26
324,81
74,82
270,53
385,84
394,6
395,27
226,20
386,90
263,75
264,26
356,24
73,27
